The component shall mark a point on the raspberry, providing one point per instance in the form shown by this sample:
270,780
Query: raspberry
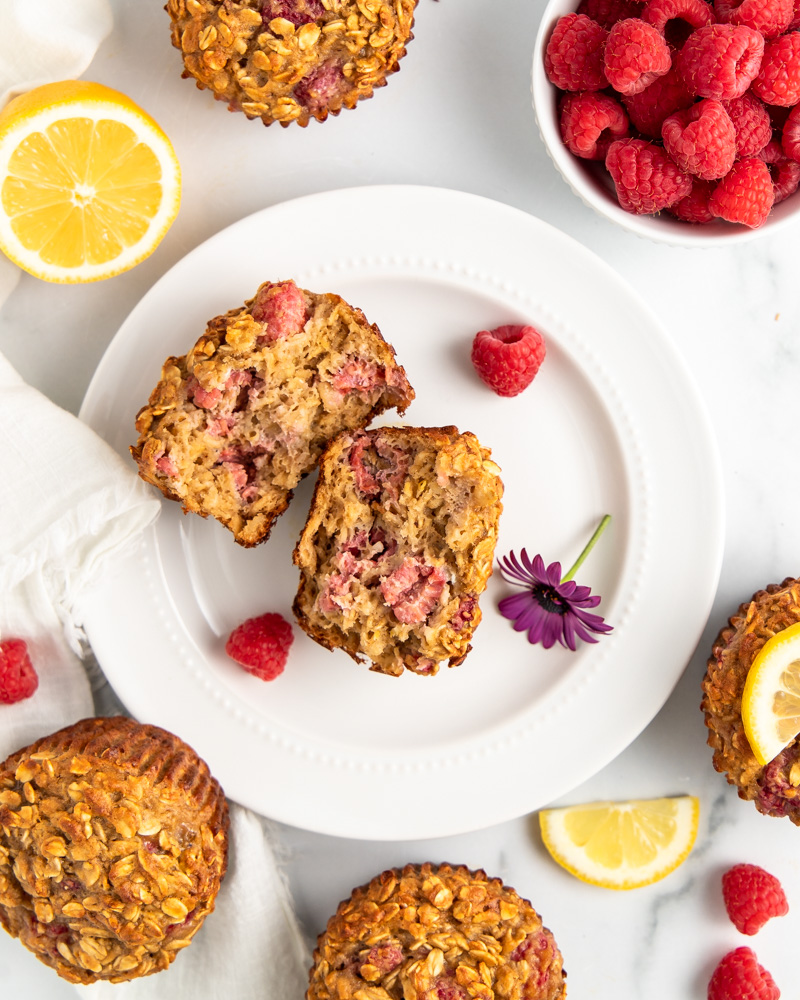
770,17
752,896
573,59
721,60
316,90
771,153
648,109
790,140
739,977
297,11
261,645
646,179
677,19
778,80
794,24
751,122
608,12
508,357
636,54
282,310
590,122
701,140
745,194
785,174
18,678
694,207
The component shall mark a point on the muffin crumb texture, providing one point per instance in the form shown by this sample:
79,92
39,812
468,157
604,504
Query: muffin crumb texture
291,60
430,932
398,546
234,425
775,788
113,844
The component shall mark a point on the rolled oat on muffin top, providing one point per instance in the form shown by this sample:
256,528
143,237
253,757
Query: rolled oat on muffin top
113,844
436,932
291,60
774,788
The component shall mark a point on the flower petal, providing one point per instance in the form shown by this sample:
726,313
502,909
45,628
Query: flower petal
515,604
554,574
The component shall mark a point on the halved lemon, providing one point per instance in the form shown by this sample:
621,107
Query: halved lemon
771,696
622,845
90,183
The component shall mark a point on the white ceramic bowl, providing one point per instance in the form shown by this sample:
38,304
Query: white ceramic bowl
593,185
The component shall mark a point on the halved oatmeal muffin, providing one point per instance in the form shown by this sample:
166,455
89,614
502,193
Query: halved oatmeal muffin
398,546
774,788
113,845
234,425
291,60
436,932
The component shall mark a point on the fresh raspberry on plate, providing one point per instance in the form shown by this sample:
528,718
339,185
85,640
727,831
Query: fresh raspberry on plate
645,177
701,139
694,207
770,17
261,645
648,109
635,55
751,122
18,678
508,358
677,19
778,79
739,977
608,12
590,122
752,896
573,59
745,194
721,60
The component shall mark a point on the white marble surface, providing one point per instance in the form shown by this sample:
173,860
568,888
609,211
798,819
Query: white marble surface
459,116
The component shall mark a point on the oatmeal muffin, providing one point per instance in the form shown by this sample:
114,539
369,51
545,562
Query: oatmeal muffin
436,933
775,789
291,60
398,546
113,843
235,424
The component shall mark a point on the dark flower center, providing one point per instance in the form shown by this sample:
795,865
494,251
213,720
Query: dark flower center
549,599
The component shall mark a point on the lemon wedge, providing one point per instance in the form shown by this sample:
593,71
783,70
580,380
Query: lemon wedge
622,845
90,183
771,696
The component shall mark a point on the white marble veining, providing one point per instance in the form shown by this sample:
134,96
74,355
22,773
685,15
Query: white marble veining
459,116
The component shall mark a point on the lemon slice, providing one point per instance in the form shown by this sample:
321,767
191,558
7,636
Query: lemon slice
771,696
622,845
90,183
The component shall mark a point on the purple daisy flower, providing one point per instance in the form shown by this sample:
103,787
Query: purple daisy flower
552,608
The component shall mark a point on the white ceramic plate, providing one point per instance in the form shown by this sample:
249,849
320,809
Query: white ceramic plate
612,424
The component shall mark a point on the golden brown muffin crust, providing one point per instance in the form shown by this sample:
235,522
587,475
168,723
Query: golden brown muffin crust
291,60
113,844
775,788
436,932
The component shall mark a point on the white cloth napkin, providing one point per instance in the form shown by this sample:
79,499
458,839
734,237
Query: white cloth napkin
68,502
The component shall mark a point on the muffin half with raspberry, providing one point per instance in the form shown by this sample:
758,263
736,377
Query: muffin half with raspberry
291,60
113,845
234,425
398,546
775,787
436,932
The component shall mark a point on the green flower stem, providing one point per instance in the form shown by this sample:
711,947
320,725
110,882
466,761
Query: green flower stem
601,527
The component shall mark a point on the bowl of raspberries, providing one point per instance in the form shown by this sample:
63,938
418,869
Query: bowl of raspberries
677,119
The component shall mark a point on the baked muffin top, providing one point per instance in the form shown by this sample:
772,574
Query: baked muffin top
291,60
113,843
436,932
775,788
